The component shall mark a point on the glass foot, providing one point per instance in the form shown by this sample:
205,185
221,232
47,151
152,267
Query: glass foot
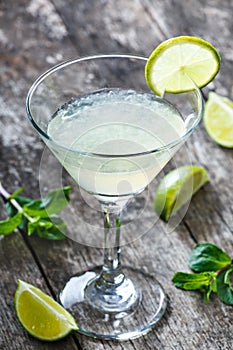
124,325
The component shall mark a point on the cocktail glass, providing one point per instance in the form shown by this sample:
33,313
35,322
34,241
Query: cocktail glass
112,154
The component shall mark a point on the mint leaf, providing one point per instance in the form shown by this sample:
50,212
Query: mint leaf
23,200
36,216
214,267
15,194
192,281
9,225
50,229
53,203
10,208
208,257
38,224
224,286
205,282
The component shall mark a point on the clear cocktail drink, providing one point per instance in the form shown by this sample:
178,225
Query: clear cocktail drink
117,123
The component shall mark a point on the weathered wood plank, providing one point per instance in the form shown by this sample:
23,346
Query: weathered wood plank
161,253
109,26
25,51
87,27
210,215
17,263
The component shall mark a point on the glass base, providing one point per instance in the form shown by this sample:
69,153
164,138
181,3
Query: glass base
124,325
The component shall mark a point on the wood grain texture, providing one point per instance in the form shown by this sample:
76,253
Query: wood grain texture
36,34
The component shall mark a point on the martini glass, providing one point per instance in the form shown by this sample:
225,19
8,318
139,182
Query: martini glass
113,136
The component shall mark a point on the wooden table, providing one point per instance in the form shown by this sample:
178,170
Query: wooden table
36,34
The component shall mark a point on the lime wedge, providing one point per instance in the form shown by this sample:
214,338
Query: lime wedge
40,315
178,62
177,188
218,119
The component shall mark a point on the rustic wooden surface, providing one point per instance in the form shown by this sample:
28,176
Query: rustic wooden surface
36,34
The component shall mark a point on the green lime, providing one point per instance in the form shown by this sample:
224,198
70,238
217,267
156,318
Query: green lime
178,62
177,188
40,315
218,119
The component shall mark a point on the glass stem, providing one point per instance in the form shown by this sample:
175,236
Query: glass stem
111,271
112,291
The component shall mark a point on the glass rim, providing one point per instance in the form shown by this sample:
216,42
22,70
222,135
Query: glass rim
66,63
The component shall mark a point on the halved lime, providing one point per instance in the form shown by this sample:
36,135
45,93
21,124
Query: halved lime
178,62
177,188
218,119
40,315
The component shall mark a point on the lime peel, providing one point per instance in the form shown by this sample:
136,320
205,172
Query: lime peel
218,119
177,188
180,62
40,315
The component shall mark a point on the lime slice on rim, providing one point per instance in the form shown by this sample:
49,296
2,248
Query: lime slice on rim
218,119
40,315
178,62
177,188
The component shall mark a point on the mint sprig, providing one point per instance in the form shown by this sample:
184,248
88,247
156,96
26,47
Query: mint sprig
35,216
208,257
213,269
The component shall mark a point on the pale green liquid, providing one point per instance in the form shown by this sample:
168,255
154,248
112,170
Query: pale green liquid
115,123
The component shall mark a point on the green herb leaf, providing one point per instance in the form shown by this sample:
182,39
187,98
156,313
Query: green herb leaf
23,200
53,203
224,286
53,229
38,224
208,257
36,216
11,210
214,267
15,194
205,282
9,225
192,281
